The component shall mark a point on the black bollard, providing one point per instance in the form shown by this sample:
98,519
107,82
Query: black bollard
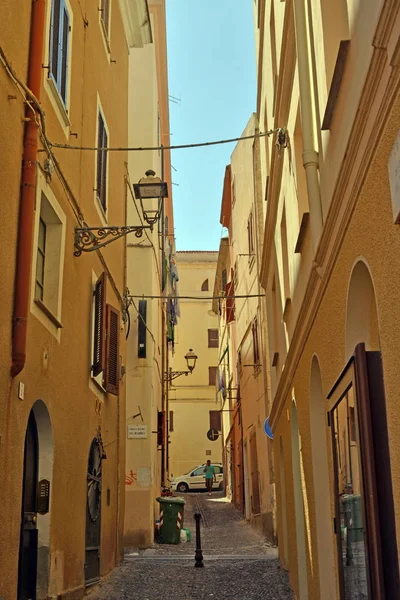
199,554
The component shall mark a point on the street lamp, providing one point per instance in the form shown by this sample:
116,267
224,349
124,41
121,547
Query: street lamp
191,358
150,188
88,239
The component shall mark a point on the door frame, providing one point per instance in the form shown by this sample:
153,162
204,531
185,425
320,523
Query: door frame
364,373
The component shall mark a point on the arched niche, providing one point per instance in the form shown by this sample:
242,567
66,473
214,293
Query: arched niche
324,518
361,315
299,506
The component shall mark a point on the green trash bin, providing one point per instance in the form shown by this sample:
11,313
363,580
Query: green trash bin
353,517
171,518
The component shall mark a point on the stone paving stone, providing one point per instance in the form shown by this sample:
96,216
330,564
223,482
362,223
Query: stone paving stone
239,564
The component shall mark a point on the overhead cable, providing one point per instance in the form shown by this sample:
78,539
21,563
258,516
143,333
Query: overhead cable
145,297
176,147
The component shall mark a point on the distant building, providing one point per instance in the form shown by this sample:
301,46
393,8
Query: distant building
244,393
192,407
147,277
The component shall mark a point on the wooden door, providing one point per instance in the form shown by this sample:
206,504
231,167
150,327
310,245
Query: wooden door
93,514
27,567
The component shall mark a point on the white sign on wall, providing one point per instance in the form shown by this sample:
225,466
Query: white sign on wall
394,178
137,432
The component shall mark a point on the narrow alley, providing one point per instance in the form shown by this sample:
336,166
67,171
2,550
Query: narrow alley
238,564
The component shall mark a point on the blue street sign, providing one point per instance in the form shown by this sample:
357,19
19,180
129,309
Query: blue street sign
268,429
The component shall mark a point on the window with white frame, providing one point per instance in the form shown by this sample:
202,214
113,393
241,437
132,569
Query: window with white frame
102,157
105,8
60,33
49,259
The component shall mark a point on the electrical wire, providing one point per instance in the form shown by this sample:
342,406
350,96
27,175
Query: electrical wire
145,297
174,147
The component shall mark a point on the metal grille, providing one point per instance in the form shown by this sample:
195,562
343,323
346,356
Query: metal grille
93,514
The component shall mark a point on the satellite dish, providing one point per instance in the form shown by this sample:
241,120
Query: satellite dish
268,429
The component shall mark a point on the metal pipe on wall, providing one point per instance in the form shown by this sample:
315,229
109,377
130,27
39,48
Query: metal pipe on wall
28,191
310,152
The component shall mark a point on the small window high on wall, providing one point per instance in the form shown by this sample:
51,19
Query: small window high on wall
204,287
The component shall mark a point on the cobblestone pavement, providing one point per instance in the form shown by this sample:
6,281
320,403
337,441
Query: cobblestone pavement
239,565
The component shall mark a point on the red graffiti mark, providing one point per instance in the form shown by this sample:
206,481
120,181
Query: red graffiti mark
130,478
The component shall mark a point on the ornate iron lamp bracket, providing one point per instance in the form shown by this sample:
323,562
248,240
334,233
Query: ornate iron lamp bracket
174,375
88,239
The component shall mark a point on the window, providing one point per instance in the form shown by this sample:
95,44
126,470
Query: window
215,419
101,181
105,16
218,469
40,261
285,257
198,471
256,350
204,287
105,337
60,32
213,341
250,234
142,328
171,420
223,280
49,257
212,375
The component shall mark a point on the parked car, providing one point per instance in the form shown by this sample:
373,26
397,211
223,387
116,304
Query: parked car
196,479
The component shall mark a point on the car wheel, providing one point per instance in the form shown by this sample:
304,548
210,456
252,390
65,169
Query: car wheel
221,486
182,488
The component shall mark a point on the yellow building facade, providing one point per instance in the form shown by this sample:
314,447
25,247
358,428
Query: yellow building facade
245,400
329,76
192,406
64,78
147,339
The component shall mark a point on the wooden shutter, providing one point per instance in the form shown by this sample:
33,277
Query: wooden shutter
212,375
102,142
256,351
99,327
64,55
255,497
215,419
171,420
160,428
105,5
112,354
142,328
54,38
230,302
213,338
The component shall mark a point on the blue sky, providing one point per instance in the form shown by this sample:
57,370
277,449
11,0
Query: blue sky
211,68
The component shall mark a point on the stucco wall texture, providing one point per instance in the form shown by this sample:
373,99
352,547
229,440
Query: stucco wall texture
57,371
373,238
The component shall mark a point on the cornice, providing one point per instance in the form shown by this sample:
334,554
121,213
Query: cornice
339,215
136,20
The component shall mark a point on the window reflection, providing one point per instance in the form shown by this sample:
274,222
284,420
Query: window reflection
349,492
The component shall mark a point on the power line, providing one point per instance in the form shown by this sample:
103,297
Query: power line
144,296
176,147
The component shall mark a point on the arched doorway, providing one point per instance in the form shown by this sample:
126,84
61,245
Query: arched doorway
299,507
34,554
93,514
363,497
324,518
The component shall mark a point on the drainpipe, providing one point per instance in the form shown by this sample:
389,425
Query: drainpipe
310,154
27,198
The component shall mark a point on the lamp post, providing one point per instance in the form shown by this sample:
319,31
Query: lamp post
149,188
191,358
